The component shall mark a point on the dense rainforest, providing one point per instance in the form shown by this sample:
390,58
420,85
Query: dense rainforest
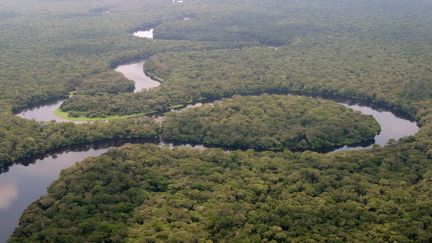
270,122
369,51
148,194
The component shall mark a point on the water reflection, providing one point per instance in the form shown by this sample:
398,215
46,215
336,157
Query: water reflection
8,193
22,185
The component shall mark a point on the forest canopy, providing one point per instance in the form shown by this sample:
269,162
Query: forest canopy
143,193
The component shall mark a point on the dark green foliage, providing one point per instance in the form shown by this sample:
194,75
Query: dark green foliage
144,193
270,122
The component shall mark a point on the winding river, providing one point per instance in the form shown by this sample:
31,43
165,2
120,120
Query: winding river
392,126
23,184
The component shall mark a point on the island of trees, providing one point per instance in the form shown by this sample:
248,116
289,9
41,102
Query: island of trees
270,122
